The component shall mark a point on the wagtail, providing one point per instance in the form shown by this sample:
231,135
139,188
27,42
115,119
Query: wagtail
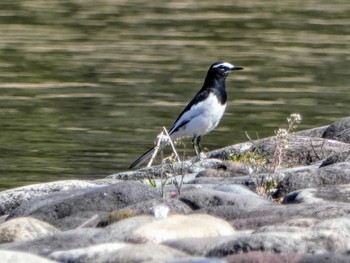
203,113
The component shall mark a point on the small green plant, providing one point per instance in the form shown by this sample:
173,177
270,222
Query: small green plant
267,185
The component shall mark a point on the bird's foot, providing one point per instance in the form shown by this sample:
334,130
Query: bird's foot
200,157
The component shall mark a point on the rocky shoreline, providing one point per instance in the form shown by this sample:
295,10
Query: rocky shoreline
231,207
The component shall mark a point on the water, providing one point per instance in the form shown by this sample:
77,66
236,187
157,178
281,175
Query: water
86,85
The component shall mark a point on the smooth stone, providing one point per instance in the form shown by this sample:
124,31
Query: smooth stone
263,257
283,243
24,228
70,239
7,256
325,258
197,246
182,226
142,253
332,193
201,198
87,254
254,218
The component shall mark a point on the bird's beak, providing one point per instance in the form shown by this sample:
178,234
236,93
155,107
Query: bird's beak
236,68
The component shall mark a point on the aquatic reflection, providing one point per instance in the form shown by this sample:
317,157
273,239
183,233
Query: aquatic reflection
86,86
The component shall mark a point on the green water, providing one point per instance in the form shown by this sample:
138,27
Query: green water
86,85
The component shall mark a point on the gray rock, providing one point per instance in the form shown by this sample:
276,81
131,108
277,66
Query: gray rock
70,239
227,169
267,242
336,158
333,193
196,246
338,173
158,171
254,218
313,132
21,257
301,150
70,209
197,260
243,180
24,228
87,254
325,258
339,130
12,198
263,257
202,198
142,253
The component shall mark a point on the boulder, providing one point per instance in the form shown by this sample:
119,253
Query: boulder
8,256
181,226
338,130
24,228
201,198
70,209
12,198
296,179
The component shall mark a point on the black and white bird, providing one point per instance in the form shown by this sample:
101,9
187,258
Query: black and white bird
203,113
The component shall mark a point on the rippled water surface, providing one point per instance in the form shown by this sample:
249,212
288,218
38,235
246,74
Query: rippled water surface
86,85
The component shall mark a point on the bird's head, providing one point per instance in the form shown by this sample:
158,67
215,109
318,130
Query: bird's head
222,69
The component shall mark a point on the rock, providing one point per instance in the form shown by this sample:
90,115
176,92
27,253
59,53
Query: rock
21,257
70,239
197,260
325,258
333,193
336,158
313,132
227,152
87,254
142,253
196,246
339,130
158,171
201,198
331,235
227,169
301,150
267,242
242,180
123,229
180,226
293,180
263,257
145,208
254,218
12,198
70,209
24,228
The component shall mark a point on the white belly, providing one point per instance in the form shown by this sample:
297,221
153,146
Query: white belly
204,117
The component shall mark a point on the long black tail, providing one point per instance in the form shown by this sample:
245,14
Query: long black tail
143,158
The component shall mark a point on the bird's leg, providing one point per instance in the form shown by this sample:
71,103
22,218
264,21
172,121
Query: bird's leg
196,146
198,140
